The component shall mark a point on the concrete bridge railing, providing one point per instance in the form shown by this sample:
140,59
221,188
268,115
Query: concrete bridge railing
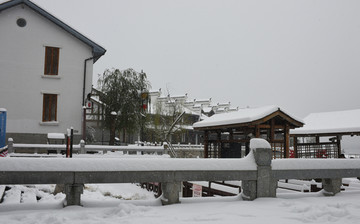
183,151
82,148
258,172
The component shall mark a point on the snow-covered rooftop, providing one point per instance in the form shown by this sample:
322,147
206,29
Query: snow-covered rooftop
96,99
203,100
191,111
173,97
207,109
330,122
240,116
189,105
224,104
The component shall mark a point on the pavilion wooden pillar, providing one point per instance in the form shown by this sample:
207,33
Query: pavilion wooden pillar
272,136
295,147
338,142
247,142
231,135
218,142
257,131
206,144
272,130
286,141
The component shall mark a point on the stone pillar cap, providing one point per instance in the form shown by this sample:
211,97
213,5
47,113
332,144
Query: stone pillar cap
259,143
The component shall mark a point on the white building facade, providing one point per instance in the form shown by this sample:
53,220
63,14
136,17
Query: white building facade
45,70
165,105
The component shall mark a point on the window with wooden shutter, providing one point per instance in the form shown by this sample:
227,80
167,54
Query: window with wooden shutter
51,60
49,107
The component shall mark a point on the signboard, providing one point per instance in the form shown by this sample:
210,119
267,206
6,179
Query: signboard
197,190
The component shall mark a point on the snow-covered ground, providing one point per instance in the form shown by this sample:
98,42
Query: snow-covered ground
128,203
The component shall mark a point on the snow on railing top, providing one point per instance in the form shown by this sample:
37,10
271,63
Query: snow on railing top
115,164
91,147
313,164
43,146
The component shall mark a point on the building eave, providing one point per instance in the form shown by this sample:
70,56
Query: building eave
97,50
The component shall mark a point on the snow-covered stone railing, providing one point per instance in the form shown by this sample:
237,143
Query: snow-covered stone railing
258,172
82,148
187,147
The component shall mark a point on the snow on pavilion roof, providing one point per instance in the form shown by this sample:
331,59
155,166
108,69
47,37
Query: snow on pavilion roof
241,116
330,122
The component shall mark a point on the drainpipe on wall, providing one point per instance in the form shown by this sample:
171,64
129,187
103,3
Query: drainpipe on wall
83,101
85,62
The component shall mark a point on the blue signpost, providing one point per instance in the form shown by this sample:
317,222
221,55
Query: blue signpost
2,127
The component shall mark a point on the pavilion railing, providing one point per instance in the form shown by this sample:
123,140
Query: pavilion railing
278,150
215,150
317,150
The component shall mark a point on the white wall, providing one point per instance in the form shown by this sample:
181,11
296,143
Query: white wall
22,82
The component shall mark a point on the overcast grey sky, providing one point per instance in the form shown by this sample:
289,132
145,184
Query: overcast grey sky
303,56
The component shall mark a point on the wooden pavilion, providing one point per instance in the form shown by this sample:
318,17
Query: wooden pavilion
228,135
321,135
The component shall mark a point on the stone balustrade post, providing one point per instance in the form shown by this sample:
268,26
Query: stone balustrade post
73,194
11,145
170,191
331,186
82,147
166,149
248,188
265,185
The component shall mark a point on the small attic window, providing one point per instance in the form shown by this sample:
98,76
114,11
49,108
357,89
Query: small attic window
21,22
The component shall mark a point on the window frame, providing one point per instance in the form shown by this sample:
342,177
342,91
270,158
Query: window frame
54,60
48,107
